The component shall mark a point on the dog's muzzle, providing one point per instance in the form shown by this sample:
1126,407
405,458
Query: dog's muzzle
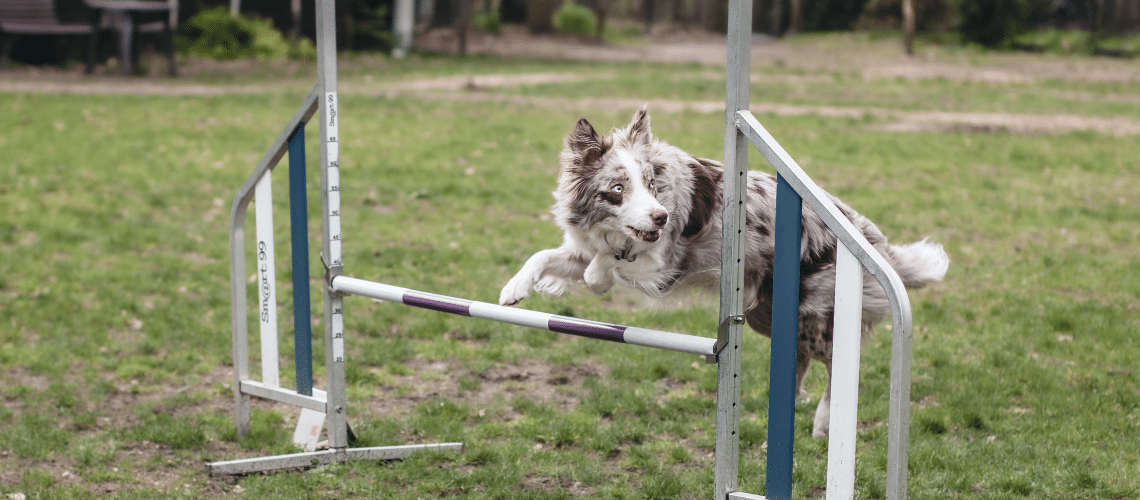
646,236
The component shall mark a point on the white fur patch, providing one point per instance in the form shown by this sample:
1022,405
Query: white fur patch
636,211
921,262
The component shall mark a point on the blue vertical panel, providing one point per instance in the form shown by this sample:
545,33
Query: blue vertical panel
785,323
299,231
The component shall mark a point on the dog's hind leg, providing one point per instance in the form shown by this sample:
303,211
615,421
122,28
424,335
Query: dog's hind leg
553,264
803,362
823,412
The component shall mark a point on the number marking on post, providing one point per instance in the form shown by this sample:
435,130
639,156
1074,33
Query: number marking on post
335,239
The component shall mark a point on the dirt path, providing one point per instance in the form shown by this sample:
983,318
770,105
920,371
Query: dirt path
836,54
821,61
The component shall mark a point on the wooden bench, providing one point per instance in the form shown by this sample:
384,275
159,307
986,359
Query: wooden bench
38,17
127,17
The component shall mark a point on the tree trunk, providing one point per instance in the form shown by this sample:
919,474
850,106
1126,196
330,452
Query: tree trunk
295,29
794,24
462,23
1130,14
777,18
538,14
601,9
908,26
665,10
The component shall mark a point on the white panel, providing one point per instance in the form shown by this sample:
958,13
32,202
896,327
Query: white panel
267,280
844,376
308,431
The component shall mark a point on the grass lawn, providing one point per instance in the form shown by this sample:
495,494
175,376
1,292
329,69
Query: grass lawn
115,315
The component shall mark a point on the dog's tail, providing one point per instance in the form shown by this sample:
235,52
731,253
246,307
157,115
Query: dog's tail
919,264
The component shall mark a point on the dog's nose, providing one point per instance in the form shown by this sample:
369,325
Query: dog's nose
660,217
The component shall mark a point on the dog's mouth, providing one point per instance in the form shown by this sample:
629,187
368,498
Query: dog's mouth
646,236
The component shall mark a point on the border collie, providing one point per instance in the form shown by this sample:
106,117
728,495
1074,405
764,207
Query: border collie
637,211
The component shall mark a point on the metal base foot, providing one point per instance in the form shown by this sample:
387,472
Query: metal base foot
315,458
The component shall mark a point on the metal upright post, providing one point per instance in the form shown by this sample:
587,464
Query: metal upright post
727,452
242,405
330,229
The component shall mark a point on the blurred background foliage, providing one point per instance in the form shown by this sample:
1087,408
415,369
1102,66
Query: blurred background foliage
264,28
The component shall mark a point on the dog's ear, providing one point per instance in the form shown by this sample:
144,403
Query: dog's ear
584,144
704,199
639,126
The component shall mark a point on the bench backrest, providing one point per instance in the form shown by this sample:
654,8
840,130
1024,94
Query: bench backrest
28,11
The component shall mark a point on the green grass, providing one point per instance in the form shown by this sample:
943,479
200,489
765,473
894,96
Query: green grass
115,316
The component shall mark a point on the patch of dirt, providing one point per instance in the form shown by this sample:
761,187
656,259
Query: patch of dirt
568,485
883,60
132,465
139,465
430,380
903,121
1010,122
476,82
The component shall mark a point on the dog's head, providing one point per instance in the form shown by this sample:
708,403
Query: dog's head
613,181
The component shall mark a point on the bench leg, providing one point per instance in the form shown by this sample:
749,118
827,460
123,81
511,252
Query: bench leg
126,42
93,42
169,35
9,42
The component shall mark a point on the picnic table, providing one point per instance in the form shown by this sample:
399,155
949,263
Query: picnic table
127,17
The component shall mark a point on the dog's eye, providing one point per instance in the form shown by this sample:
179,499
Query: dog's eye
652,187
617,188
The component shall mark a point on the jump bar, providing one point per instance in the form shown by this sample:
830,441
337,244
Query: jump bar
524,317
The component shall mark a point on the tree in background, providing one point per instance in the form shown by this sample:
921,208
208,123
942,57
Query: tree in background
908,26
539,14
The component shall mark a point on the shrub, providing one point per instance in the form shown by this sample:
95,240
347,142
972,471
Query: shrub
487,21
575,19
216,34
268,43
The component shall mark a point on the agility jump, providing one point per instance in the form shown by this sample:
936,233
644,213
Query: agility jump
854,254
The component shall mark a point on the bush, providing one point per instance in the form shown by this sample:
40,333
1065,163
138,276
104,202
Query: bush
487,21
575,19
268,43
993,23
216,34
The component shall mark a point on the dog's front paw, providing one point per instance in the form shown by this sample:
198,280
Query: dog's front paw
516,290
599,275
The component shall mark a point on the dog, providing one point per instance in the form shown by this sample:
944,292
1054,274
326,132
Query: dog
639,212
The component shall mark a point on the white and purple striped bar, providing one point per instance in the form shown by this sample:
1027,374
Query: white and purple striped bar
524,317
